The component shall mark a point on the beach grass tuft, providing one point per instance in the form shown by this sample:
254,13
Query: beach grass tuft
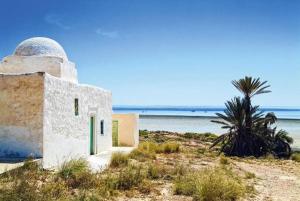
214,184
119,159
296,156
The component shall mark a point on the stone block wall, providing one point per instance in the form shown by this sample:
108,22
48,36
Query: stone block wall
21,115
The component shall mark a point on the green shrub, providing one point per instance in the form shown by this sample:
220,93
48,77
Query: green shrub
73,167
296,156
168,147
144,133
209,137
185,185
145,151
119,159
77,174
181,170
214,184
141,155
149,147
129,177
156,171
152,147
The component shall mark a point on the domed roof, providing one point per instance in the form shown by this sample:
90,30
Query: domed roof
40,46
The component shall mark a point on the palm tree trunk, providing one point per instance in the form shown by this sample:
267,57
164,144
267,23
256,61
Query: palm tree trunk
248,120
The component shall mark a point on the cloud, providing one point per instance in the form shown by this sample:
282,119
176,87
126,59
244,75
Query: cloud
108,34
56,20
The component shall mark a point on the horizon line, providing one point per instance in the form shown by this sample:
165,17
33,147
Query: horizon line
196,107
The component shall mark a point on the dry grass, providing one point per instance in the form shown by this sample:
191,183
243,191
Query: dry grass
296,156
119,159
161,161
216,184
250,175
224,160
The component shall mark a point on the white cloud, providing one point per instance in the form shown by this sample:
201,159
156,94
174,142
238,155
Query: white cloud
56,20
108,34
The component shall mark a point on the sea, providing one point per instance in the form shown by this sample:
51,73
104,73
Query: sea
198,119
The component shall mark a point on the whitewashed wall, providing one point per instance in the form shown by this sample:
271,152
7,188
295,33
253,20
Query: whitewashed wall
55,66
21,115
67,136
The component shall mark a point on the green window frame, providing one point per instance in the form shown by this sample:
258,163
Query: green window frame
102,127
76,107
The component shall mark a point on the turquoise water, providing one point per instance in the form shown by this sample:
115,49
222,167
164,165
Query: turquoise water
198,119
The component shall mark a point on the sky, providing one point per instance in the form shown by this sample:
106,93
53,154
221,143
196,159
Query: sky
168,52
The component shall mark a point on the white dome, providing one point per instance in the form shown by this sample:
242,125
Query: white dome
40,46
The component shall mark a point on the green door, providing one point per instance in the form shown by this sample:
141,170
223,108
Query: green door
92,131
115,133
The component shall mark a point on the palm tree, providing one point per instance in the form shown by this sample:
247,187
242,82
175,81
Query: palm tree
250,87
250,132
281,144
236,142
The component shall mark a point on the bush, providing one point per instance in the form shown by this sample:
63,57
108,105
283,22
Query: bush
217,184
209,137
141,155
149,147
147,150
144,133
168,147
53,190
119,159
156,171
181,170
77,174
131,176
21,183
296,156
73,167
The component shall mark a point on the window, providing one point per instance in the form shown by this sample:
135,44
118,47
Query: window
102,127
76,107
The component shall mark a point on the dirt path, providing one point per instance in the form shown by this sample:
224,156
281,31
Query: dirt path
274,182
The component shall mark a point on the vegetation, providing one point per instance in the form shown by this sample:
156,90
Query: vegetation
73,167
156,171
200,136
217,184
250,131
173,163
249,175
152,147
119,159
224,160
296,156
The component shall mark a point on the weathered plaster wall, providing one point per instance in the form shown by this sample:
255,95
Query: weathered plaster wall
21,115
128,129
55,66
67,136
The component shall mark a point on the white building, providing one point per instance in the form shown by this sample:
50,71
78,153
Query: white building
44,112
